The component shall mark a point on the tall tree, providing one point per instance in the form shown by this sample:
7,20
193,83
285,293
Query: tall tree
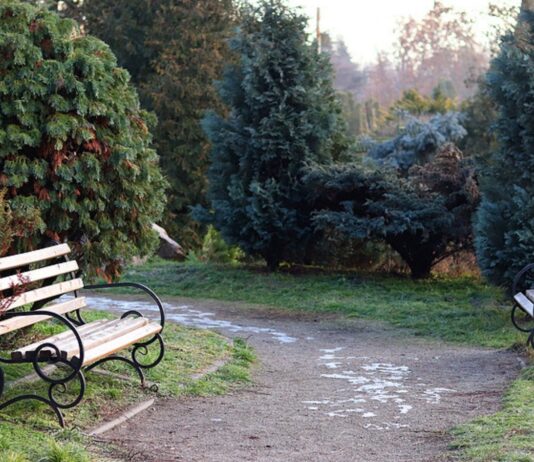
174,50
505,230
440,46
284,115
383,83
349,78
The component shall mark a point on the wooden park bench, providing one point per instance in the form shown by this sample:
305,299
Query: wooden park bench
32,284
523,310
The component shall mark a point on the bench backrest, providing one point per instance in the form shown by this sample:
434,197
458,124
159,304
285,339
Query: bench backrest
25,278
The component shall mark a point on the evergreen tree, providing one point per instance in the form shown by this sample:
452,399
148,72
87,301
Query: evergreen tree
418,142
174,50
479,115
424,215
284,115
74,143
505,228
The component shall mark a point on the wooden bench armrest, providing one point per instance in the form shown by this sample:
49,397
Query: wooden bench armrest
137,286
60,318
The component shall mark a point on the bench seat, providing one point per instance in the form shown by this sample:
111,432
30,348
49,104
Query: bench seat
100,338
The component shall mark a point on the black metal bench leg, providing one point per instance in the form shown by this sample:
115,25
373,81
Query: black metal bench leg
139,349
124,360
142,350
55,386
56,410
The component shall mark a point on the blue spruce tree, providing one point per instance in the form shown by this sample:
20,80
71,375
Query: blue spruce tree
283,116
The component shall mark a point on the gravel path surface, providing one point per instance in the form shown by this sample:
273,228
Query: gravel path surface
325,389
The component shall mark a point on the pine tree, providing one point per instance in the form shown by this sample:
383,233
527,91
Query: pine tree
74,143
284,115
174,50
505,229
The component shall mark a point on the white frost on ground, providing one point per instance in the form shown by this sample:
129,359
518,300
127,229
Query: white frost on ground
375,385
186,316
433,395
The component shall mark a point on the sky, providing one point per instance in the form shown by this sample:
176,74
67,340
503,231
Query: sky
368,26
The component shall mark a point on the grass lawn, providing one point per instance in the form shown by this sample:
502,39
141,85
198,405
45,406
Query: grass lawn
508,435
29,430
461,310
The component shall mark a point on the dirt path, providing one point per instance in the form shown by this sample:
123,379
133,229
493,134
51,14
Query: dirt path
324,390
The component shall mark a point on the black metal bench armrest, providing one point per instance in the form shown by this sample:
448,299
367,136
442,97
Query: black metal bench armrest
76,366
137,286
517,279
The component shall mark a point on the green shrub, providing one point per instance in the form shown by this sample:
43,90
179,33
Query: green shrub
215,250
424,216
21,223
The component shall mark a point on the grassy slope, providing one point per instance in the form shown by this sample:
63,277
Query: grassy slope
29,432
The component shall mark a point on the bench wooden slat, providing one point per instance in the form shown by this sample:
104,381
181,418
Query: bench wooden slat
38,274
524,303
27,351
530,295
103,334
22,259
101,351
46,292
9,325
92,334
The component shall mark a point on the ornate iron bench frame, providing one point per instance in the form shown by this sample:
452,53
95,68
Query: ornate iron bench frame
523,298
74,366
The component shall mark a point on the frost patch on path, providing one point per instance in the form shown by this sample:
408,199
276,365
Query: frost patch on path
433,395
376,388
186,316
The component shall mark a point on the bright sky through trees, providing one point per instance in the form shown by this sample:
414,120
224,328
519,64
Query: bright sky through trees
369,26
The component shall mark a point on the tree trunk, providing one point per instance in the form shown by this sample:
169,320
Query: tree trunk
272,262
418,256
420,269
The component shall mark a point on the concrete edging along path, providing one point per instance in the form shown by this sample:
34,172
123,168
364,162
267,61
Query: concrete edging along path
138,408
325,390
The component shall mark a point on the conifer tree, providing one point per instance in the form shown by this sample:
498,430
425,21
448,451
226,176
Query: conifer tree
505,229
284,115
417,195
174,50
74,143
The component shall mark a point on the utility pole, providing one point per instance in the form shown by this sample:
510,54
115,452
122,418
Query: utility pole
319,29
